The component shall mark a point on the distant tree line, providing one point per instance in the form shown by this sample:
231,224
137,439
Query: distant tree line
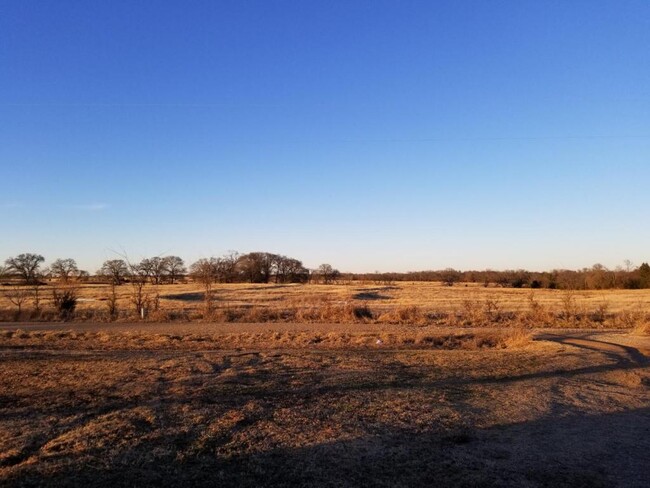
265,267
233,267
597,277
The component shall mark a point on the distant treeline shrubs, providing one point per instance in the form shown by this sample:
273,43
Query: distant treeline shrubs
598,277
265,267
253,267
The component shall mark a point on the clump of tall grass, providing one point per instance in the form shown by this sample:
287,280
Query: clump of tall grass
517,337
536,315
642,328
404,315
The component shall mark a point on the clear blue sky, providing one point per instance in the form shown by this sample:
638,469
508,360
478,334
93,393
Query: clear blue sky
373,135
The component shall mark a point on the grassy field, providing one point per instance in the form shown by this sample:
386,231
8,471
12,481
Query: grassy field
329,385
417,303
211,405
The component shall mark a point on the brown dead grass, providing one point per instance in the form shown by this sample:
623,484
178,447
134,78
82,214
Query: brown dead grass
403,303
642,329
328,408
264,340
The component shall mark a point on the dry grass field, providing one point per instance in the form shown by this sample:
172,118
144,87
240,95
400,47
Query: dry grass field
411,303
314,405
410,394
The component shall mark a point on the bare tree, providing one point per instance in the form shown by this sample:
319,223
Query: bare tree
114,269
145,266
204,271
629,265
227,267
450,276
17,295
64,269
327,273
36,293
111,301
599,277
289,270
155,268
161,269
26,266
257,267
138,277
174,268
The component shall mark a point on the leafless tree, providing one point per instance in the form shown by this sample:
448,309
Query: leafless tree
155,268
114,269
204,271
629,265
599,277
174,268
17,295
257,267
138,277
26,266
111,301
64,269
289,270
450,276
227,267
36,294
327,273
162,269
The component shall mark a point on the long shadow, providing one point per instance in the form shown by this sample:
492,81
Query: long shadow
586,341
186,297
370,295
576,451
413,378
255,383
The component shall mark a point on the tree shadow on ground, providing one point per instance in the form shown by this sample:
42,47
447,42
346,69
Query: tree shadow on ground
619,352
576,451
370,295
567,447
198,296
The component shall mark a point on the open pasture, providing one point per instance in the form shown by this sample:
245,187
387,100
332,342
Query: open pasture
421,303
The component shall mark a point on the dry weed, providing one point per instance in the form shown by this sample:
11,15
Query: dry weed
517,337
642,328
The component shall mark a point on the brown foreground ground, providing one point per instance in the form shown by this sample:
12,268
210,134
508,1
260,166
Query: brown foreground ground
314,405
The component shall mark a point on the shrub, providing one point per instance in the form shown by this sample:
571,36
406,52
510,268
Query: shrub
360,312
65,302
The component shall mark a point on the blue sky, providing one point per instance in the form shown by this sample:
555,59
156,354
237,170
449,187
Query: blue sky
373,135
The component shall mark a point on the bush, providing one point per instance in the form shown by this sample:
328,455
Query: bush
360,312
65,303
